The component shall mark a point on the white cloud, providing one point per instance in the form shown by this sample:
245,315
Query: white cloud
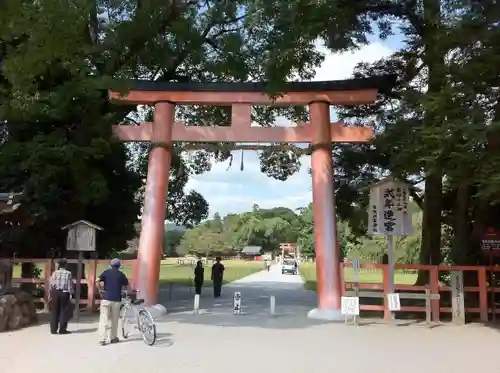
341,65
233,190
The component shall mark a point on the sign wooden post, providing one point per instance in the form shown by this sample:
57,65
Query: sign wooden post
81,238
388,216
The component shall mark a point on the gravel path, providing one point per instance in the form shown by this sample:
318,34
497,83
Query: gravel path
218,341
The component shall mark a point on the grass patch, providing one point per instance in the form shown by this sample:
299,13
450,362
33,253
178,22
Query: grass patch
175,274
371,276
172,273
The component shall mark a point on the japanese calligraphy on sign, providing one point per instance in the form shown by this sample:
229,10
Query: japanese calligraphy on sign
349,306
388,209
393,302
491,241
237,302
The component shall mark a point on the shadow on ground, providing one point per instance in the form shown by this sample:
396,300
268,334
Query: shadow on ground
162,339
292,303
291,300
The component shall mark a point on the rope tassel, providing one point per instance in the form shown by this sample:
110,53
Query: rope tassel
230,162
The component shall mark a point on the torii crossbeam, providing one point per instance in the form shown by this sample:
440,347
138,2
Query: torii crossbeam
320,133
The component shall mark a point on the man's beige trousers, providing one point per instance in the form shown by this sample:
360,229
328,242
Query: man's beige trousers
108,320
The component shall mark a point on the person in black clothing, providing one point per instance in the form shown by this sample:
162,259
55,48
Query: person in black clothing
199,275
217,276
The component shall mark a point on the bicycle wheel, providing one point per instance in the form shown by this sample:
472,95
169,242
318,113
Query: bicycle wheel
147,327
126,317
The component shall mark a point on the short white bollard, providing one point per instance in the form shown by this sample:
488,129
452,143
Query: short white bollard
237,303
272,305
157,310
196,309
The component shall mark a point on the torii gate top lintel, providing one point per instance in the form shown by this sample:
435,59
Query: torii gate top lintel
320,133
241,97
336,92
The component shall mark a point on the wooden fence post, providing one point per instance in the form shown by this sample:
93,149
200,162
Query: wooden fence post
342,279
483,294
427,306
91,279
434,285
386,283
47,273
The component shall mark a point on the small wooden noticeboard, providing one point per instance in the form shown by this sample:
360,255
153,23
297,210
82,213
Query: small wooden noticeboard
81,237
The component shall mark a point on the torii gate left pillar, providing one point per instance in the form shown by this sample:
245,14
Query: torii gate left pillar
320,133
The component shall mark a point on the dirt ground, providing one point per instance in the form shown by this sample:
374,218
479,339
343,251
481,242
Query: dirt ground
219,341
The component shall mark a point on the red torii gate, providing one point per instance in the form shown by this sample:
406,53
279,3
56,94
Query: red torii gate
320,133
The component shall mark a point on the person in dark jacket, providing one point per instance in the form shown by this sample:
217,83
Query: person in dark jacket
217,276
199,276
110,284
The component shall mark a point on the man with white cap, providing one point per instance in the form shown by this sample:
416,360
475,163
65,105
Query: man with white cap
111,283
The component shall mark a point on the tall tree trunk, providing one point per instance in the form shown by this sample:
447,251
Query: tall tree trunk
461,230
430,252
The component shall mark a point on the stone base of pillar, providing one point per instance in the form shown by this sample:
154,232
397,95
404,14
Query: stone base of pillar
327,314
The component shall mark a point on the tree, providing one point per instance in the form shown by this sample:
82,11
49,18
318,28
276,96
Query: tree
172,241
305,242
204,241
56,63
439,123
216,223
253,230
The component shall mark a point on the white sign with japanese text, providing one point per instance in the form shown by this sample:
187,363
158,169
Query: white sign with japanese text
349,306
393,302
388,209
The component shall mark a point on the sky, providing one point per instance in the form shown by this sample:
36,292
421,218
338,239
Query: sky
234,191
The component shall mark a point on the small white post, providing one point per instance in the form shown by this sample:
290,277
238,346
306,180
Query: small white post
272,305
196,304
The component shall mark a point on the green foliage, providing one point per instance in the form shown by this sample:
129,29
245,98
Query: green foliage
171,241
58,59
261,227
439,125
270,227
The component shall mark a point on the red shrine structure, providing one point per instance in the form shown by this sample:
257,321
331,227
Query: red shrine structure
320,133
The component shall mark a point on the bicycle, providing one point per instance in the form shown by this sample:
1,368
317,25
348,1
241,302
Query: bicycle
138,318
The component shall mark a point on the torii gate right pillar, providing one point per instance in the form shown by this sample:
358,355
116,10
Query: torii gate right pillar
326,245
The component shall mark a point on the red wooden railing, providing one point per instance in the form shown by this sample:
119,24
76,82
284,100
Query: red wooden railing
483,289
48,265
434,285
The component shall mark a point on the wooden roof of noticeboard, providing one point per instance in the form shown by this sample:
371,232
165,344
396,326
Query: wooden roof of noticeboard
85,222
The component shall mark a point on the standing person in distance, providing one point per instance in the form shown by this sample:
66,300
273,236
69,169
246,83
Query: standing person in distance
199,276
110,283
217,276
61,289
